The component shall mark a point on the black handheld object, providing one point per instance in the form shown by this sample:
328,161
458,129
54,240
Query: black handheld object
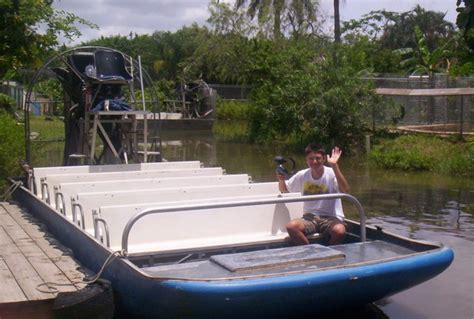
281,169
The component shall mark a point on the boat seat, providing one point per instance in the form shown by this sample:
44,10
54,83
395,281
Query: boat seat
71,190
41,172
93,201
204,228
51,181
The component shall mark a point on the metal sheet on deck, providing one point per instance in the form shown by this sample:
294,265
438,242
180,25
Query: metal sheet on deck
276,257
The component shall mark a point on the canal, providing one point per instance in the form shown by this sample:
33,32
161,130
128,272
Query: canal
416,205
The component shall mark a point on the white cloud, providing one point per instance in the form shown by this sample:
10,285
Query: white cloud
146,16
353,9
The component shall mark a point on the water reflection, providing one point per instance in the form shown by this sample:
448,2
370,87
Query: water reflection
417,205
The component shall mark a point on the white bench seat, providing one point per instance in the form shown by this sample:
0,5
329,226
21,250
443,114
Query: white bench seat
71,190
91,201
52,181
166,230
41,172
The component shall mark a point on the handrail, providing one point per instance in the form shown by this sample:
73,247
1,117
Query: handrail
169,209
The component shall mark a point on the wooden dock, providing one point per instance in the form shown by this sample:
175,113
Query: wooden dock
29,257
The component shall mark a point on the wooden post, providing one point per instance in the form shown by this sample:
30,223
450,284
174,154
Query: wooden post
367,144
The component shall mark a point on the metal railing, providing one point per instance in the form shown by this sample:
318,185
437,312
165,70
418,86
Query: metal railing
169,209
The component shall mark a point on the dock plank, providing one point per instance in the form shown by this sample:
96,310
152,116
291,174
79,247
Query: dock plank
30,256
45,268
23,272
11,291
55,251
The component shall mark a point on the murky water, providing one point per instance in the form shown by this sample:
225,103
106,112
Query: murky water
421,206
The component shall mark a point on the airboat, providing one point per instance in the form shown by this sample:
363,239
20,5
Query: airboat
177,239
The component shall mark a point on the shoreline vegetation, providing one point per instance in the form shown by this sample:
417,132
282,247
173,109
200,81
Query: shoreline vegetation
406,152
425,153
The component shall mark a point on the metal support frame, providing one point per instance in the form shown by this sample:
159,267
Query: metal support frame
200,207
126,117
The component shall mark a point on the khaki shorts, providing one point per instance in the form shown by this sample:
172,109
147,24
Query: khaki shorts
319,224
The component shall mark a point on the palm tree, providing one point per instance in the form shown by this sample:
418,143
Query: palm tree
263,9
275,9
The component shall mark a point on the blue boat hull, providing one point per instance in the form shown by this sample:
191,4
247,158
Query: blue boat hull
272,296
280,296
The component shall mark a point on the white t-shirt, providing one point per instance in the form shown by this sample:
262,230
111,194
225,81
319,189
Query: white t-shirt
304,182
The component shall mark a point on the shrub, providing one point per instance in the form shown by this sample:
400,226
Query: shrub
413,152
11,148
7,103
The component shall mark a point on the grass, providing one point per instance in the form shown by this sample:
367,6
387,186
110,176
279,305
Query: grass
234,110
426,153
49,129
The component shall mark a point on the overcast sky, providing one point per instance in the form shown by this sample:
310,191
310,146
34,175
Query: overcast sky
146,16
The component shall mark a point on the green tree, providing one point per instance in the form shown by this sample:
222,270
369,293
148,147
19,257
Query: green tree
393,30
301,95
174,48
435,29
465,21
225,19
29,29
422,60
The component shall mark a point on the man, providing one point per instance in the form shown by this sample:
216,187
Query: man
323,216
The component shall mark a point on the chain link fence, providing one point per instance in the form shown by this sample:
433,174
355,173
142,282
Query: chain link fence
449,111
425,110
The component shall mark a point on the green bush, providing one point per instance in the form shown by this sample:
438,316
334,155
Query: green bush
11,148
7,103
413,152
302,97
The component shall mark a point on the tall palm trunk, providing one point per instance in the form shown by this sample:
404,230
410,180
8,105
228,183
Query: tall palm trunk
337,26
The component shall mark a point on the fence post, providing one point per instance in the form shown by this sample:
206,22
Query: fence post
461,116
